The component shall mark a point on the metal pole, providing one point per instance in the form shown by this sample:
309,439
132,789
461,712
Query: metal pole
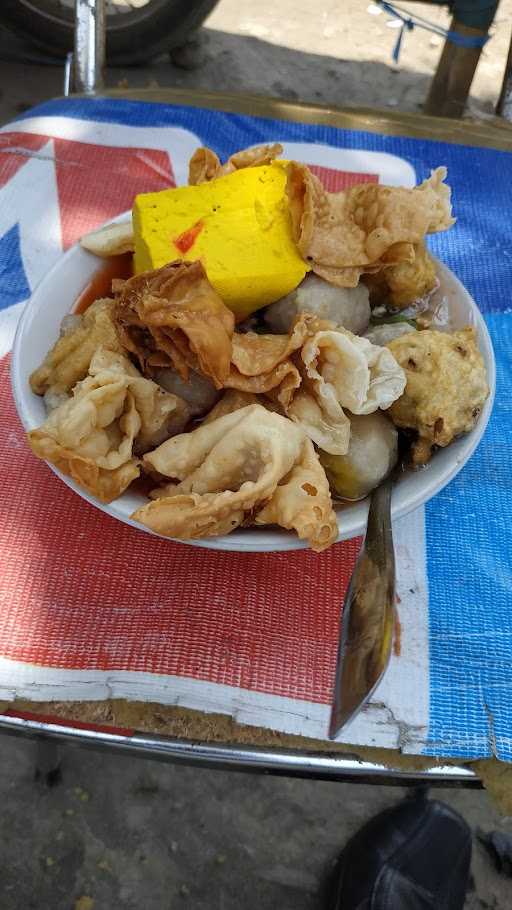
504,106
89,55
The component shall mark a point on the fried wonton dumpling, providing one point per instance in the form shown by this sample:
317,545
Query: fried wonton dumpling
322,418
446,386
361,375
92,436
68,360
366,227
261,363
227,471
172,316
232,400
400,285
110,240
342,371
162,413
302,502
205,164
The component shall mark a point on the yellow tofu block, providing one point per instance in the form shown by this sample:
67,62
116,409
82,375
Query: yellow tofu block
238,226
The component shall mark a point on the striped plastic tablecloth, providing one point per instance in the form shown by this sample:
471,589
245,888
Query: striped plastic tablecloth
91,609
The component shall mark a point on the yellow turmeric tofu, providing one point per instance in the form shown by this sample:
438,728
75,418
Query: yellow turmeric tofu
237,225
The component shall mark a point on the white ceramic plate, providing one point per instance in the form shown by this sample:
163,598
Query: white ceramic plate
54,297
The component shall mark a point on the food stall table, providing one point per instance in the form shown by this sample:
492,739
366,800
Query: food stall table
58,689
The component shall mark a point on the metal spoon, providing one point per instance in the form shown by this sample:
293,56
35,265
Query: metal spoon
368,617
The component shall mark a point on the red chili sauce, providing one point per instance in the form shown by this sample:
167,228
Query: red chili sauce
100,284
185,241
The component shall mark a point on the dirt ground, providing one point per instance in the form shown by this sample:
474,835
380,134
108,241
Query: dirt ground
329,52
123,833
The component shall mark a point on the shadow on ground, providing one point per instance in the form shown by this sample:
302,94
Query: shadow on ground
225,62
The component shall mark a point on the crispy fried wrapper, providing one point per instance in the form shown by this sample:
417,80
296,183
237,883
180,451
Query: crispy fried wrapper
110,240
205,164
92,436
365,228
262,363
68,360
322,419
232,400
361,376
226,471
162,414
342,371
302,502
446,386
173,317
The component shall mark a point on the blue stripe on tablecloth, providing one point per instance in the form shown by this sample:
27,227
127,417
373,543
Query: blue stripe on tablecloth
470,587
468,523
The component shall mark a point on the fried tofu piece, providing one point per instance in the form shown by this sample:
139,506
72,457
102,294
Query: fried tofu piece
446,387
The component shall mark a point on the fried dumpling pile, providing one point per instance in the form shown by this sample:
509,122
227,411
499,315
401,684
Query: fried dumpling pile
366,228
172,316
251,466
256,426
113,413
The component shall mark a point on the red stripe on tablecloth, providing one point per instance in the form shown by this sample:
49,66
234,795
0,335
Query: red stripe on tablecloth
97,182
80,590
334,180
15,151
66,722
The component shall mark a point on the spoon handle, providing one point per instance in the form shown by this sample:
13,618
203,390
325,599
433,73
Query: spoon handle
368,618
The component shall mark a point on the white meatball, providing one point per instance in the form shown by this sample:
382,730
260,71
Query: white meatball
372,453
346,307
383,334
199,393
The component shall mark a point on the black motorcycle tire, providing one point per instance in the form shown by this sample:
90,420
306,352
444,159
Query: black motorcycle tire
132,37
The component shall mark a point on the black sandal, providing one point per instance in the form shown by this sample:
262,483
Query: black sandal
414,856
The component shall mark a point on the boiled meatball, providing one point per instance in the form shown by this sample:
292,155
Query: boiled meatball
372,453
345,307
197,391
383,334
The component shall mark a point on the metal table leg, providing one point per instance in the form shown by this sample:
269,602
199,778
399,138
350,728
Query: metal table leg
48,759
89,54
